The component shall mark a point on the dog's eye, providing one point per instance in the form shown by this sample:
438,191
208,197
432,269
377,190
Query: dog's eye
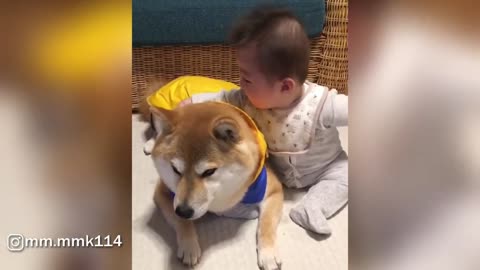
176,170
209,172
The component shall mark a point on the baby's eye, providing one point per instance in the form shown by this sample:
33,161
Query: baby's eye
246,81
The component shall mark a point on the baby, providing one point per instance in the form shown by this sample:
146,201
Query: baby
297,117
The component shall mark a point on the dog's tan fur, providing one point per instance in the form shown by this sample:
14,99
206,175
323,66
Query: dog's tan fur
195,133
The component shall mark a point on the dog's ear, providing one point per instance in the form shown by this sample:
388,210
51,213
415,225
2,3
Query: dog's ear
226,130
163,120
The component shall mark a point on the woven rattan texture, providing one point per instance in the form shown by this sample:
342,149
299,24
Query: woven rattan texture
328,59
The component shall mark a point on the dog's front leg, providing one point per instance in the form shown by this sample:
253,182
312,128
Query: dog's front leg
189,251
270,214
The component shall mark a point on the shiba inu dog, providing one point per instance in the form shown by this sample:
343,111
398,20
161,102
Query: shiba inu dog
211,157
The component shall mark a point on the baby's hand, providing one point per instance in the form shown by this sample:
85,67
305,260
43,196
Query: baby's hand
185,102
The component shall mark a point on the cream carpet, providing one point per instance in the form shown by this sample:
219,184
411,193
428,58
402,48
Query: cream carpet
226,243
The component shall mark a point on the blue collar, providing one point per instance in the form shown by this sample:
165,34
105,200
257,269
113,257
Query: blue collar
256,191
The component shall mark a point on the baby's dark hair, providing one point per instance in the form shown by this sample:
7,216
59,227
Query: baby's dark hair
282,44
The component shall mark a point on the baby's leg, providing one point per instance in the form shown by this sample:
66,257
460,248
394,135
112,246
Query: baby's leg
324,198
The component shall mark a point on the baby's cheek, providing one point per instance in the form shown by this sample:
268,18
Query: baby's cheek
257,103
264,99
257,99
242,85
246,89
250,95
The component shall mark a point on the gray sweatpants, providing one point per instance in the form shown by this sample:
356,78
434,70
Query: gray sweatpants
327,194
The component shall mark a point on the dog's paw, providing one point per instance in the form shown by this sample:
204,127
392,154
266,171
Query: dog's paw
268,259
189,251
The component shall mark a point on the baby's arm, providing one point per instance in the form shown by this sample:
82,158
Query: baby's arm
335,110
234,97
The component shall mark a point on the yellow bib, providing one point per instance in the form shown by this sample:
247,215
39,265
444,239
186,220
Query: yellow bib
170,95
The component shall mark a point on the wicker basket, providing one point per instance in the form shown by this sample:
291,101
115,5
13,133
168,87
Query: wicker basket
328,60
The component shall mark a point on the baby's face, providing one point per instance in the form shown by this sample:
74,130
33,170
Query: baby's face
262,93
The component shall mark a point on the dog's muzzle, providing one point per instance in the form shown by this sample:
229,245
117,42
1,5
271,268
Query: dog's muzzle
184,211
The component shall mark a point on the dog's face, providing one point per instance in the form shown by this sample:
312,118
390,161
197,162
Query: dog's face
207,154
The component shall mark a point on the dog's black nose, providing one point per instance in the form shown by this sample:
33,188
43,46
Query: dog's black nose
184,211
